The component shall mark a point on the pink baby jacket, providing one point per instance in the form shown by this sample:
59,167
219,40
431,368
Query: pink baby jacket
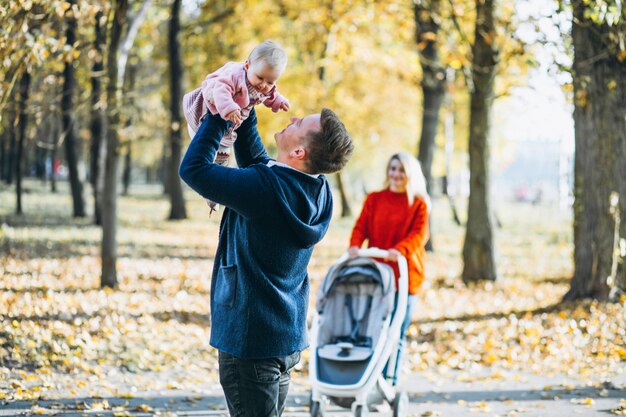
223,91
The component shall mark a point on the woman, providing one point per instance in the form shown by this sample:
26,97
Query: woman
396,219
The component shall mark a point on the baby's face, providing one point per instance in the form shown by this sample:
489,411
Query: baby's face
262,76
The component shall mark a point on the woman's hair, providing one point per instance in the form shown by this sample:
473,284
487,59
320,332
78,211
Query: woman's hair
416,183
271,53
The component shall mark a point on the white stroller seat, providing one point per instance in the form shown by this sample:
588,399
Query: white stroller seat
355,305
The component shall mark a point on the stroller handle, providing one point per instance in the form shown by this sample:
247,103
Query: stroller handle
403,281
373,253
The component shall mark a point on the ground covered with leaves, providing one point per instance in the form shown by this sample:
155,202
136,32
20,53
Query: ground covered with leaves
62,336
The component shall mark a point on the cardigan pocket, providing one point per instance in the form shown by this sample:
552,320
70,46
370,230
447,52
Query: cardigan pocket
226,286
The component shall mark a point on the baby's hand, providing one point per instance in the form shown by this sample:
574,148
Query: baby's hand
234,116
285,106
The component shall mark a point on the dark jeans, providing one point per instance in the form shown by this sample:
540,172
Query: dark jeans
256,387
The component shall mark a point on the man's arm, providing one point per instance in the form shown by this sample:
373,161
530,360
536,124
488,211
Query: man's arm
249,148
243,190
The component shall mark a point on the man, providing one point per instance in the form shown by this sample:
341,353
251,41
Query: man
275,211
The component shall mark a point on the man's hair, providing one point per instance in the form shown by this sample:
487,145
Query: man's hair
329,148
271,53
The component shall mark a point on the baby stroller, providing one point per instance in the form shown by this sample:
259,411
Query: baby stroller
355,333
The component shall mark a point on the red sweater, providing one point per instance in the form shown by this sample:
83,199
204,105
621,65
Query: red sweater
387,222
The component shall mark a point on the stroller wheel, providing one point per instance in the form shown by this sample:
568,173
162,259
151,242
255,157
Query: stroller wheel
316,409
401,404
344,402
358,411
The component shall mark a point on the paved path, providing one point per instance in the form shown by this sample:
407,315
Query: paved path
483,393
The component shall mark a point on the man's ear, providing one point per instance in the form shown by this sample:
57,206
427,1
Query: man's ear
298,153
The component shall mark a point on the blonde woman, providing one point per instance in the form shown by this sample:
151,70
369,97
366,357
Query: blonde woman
396,219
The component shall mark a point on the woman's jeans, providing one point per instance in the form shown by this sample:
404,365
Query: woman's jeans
256,387
411,301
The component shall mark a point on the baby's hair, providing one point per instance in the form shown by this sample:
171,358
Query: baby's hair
271,53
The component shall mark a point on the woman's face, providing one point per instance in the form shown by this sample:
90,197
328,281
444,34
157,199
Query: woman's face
397,177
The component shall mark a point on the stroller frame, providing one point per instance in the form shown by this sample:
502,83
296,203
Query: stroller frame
372,383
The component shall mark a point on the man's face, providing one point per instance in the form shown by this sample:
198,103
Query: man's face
291,137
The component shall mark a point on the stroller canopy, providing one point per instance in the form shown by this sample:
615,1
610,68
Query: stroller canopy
356,270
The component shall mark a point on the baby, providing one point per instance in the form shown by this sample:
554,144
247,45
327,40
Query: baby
234,89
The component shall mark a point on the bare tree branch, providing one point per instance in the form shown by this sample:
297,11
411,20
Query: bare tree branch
208,22
129,39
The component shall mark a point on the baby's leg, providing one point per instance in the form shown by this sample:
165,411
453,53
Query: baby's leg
191,132
221,157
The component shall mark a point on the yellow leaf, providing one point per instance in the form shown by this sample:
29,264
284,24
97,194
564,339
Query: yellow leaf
489,38
581,98
143,407
490,359
583,401
456,64
429,36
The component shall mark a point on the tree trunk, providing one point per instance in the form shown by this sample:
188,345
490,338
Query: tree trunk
600,158
129,87
67,110
53,151
97,126
163,170
109,196
449,151
177,200
11,129
40,164
478,249
127,169
433,87
23,122
346,211
4,152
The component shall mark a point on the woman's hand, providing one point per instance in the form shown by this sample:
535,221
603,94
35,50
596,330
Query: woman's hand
393,255
353,251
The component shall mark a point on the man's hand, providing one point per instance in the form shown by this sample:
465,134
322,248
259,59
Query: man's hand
234,116
285,106
353,251
393,255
